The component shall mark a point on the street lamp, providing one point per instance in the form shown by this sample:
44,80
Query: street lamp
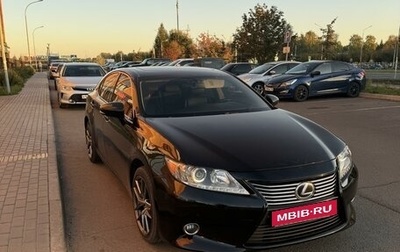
26,30
34,47
362,42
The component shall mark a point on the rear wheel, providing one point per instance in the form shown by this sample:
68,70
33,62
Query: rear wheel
259,87
354,90
300,93
90,144
144,205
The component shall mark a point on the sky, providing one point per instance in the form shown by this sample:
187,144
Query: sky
89,27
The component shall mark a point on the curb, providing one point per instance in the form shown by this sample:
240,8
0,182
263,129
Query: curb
380,96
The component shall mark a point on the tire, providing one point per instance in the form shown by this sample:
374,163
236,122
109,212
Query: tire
300,93
259,87
146,214
354,90
90,144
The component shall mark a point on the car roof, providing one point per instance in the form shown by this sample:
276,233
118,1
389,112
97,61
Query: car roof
170,71
81,64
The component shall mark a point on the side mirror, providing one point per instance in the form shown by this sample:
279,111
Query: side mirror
273,99
272,72
113,109
315,73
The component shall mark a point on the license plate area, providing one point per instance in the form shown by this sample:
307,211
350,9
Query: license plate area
304,213
84,97
269,89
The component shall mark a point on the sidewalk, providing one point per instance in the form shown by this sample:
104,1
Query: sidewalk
31,216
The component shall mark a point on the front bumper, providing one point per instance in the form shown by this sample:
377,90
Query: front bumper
73,97
231,222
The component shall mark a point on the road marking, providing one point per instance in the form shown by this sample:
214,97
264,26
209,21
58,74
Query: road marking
23,157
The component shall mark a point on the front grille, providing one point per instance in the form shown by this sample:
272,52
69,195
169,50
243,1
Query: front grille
77,98
284,194
267,236
279,196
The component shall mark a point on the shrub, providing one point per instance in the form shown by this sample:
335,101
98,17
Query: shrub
25,72
15,80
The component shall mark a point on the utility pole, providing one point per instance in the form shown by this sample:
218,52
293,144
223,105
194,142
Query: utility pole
177,15
397,54
3,49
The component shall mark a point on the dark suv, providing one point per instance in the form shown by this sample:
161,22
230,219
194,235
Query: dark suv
238,68
150,61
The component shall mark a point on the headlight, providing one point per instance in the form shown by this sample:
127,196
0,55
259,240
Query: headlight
345,164
287,83
246,79
66,88
205,178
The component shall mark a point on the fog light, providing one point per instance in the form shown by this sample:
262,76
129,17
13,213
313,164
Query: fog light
191,228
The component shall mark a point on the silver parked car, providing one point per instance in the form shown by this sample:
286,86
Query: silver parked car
75,80
257,77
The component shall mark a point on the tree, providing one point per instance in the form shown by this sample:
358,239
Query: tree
185,43
261,35
173,51
369,48
330,42
160,41
209,46
307,46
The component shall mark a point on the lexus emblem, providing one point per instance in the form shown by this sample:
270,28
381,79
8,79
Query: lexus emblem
305,191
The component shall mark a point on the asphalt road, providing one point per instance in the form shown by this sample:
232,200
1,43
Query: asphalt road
99,215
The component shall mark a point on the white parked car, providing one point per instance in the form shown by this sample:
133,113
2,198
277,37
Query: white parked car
257,77
75,80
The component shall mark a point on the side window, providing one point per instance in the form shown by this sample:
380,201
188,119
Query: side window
125,93
324,68
280,69
106,87
340,67
240,69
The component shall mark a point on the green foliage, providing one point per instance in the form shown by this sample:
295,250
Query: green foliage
385,87
25,72
16,78
261,35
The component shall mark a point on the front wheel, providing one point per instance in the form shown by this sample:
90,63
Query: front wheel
300,93
144,205
90,145
354,90
259,87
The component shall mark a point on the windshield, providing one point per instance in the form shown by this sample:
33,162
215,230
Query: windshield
198,96
303,68
261,69
83,70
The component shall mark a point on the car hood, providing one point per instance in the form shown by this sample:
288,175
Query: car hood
248,77
81,80
248,141
277,79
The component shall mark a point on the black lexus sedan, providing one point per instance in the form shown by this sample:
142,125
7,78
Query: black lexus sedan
213,166
317,78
